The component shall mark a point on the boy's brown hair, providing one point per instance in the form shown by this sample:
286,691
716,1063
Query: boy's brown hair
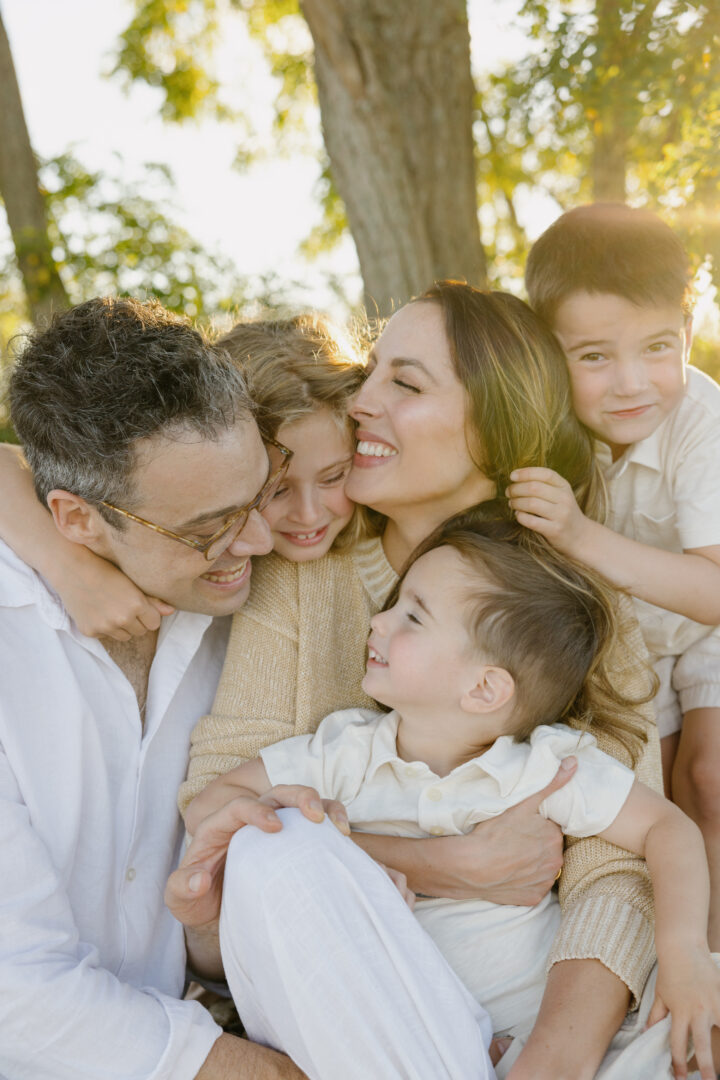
547,620
608,248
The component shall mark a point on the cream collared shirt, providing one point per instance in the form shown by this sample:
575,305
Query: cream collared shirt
499,951
665,492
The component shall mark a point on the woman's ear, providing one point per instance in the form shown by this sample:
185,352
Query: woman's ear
73,517
494,688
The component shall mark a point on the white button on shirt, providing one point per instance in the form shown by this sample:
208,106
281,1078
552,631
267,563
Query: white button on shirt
92,965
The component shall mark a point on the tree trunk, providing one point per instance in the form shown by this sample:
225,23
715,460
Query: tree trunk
610,143
23,200
396,97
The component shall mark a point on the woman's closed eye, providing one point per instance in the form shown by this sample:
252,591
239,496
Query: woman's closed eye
407,386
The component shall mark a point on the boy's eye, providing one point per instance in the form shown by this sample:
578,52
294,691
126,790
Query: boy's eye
407,386
658,347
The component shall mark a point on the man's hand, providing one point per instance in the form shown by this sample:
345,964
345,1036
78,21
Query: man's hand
522,850
544,502
194,891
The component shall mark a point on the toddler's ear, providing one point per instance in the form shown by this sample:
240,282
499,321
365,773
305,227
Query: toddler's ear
495,687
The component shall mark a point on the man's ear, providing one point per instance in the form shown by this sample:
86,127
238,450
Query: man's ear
494,688
76,519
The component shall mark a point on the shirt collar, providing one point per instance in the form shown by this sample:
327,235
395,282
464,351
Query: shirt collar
647,453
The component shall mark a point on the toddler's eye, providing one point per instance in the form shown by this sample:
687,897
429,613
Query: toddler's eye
413,618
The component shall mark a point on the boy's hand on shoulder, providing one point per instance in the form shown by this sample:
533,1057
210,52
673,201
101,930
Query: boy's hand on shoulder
544,501
688,987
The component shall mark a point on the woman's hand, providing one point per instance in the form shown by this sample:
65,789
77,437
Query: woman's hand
688,987
522,850
400,882
544,501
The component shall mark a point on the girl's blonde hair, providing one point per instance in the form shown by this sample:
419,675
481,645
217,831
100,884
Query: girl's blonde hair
293,367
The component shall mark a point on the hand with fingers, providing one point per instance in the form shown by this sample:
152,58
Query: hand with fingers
688,988
544,502
103,602
194,891
400,882
521,849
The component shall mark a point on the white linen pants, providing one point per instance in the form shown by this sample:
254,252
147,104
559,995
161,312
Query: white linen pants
326,962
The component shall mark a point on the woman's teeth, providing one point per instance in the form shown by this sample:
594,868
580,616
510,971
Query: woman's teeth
375,449
226,577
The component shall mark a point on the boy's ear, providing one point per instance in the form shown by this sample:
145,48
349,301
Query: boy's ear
495,687
73,517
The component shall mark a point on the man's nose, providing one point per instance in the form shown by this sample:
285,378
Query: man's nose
254,538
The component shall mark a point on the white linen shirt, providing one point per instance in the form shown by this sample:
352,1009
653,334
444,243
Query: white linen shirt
664,492
92,964
499,951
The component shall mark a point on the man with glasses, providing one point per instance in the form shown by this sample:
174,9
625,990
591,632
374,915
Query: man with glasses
142,445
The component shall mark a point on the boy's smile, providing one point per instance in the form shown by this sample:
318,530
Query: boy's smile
626,364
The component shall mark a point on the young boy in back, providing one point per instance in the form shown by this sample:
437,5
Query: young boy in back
614,284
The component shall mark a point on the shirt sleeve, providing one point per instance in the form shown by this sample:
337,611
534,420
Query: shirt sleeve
605,891
591,801
693,472
62,1015
334,760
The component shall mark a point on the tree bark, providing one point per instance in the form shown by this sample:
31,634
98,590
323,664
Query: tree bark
396,96
610,143
23,200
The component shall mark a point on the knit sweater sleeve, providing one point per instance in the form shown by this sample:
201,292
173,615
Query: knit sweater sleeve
605,891
255,703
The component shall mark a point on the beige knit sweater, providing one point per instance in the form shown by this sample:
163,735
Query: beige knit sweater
297,652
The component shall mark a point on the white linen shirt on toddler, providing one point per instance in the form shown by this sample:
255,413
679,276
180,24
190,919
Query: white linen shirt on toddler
499,951
664,492
92,964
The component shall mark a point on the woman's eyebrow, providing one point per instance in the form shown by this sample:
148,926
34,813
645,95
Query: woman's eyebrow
409,361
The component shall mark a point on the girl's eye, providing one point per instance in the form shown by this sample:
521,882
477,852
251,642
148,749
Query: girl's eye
337,478
280,492
593,357
407,386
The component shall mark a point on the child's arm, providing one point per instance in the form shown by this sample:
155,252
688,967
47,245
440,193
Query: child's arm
99,597
687,582
250,781
688,984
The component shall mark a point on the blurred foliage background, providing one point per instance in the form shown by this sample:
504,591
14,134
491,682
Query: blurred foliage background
609,100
